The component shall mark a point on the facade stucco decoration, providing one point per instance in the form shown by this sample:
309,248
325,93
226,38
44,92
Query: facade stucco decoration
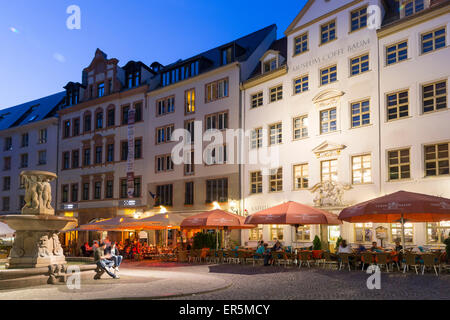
329,194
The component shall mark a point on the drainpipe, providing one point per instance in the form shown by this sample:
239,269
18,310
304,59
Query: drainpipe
380,157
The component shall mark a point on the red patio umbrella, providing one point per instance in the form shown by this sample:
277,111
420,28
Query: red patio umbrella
293,213
399,206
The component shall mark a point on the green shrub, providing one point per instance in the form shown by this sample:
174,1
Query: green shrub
205,240
338,242
317,244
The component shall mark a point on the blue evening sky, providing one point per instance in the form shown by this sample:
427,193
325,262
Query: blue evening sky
39,55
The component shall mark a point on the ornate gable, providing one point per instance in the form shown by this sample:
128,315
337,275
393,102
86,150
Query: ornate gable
328,149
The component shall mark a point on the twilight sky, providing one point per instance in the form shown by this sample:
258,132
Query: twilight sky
39,54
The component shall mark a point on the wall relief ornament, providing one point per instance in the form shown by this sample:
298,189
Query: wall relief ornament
329,193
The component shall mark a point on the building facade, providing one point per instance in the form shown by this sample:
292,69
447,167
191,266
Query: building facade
329,104
29,134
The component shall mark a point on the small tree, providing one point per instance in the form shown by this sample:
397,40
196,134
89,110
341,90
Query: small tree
338,242
317,244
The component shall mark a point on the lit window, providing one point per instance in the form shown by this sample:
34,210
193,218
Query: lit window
301,177
360,113
363,232
328,121
437,232
190,101
362,169
276,232
396,232
304,233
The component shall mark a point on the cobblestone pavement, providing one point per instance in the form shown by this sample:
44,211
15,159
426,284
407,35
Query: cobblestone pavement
278,283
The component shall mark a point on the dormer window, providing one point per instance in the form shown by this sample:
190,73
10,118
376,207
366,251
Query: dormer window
227,55
413,6
180,74
134,79
101,90
270,65
72,97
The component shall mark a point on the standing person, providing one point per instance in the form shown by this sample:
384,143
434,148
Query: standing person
267,255
103,261
260,244
115,256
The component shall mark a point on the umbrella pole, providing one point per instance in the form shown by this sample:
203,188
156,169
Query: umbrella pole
217,239
403,233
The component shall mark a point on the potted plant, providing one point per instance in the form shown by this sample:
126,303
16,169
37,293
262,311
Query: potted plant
338,243
317,248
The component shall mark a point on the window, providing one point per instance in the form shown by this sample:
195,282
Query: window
101,90
137,187
74,195
164,163
87,122
125,111
328,32
87,157
399,164
301,177
301,84
99,120
436,160
76,127
189,193
97,190
397,52
362,169
276,180
98,154
276,93
66,133
358,19
189,126
300,127
413,6
256,183
5,204
217,190
111,121
328,121
167,105
304,234
189,163
256,234
434,96
276,232
164,134
363,232
396,232
328,170
24,160
433,40
164,195
328,75
189,101
6,163
123,188
42,136
256,139
109,189
227,56
8,144
398,105
124,151
134,79
216,155
360,113
270,65
6,183
301,44
359,65
216,90
138,112
66,160
85,191
257,100
437,232
217,121
65,194
276,134
25,138
138,148
42,157
75,159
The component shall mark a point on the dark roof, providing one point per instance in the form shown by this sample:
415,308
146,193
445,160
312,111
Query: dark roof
393,10
249,43
279,45
29,112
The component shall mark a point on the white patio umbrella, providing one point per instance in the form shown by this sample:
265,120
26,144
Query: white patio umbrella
6,231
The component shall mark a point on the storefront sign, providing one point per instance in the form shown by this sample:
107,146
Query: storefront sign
129,203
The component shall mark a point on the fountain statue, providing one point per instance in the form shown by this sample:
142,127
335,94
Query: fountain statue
37,243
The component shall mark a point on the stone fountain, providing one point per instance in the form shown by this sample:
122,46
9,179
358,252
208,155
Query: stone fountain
36,244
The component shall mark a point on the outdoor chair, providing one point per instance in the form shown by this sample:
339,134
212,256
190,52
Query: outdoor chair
305,257
242,257
328,260
366,258
279,258
344,259
383,259
410,261
431,261
255,258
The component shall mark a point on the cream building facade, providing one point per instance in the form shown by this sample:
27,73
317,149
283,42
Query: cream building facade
322,104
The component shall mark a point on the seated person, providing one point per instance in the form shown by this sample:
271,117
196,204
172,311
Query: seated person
277,246
361,248
398,246
261,249
344,248
375,248
267,255
115,256
103,261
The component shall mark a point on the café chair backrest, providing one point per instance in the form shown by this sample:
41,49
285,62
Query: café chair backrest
367,257
430,259
382,258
